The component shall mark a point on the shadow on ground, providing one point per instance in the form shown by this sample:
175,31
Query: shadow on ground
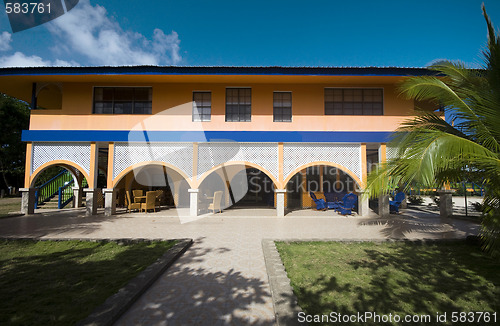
59,283
409,279
202,296
401,226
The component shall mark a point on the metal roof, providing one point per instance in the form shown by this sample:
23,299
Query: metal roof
219,70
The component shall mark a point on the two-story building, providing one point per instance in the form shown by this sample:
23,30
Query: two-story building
262,135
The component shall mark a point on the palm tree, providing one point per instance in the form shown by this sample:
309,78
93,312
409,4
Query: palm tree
431,151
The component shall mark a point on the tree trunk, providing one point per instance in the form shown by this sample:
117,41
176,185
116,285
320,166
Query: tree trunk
3,175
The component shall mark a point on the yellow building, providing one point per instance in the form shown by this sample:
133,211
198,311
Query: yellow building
192,131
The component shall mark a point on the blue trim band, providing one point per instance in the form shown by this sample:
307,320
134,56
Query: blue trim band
205,136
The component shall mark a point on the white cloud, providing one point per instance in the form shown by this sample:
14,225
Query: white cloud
19,59
88,32
102,40
5,39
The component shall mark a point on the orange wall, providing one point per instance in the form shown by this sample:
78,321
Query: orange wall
172,109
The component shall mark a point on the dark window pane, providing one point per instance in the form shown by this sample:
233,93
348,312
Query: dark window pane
98,107
98,94
123,108
358,108
107,94
282,102
328,95
287,114
142,94
238,104
377,109
202,106
357,95
368,108
124,94
348,95
352,101
122,100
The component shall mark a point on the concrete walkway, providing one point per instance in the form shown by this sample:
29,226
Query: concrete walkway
222,279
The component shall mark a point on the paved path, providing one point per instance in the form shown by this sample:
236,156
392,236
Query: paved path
221,279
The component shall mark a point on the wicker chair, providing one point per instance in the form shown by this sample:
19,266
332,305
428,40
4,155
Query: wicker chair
159,196
130,204
150,202
137,193
215,205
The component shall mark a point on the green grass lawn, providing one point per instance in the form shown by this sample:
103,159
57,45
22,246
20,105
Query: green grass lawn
9,205
398,278
61,282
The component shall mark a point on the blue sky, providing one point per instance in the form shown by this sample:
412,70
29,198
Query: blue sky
254,33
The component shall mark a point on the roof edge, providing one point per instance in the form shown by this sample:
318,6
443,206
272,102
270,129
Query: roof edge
218,70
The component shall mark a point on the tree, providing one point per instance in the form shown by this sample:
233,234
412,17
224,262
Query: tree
431,151
14,117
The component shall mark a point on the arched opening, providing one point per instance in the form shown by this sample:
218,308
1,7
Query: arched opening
329,182
55,185
49,97
244,185
170,183
260,188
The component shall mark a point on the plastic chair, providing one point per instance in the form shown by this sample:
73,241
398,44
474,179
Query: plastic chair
331,200
320,203
394,204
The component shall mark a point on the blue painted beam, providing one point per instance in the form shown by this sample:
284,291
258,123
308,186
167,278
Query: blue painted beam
205,136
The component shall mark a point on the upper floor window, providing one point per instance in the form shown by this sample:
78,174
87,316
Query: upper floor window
202,106
238,104
352,101
282,106
123,100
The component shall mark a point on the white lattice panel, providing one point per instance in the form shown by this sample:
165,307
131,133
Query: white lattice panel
390,153
213,154
176,154
298,154
44,152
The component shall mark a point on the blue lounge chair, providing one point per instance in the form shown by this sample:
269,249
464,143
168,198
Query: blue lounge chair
320,203
348,203
332,200
394,204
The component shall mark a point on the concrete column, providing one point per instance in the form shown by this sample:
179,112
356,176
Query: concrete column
383,206
77,197
363,203
445,203
280,201
177,186
193,202
91,201
109,201
28,200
